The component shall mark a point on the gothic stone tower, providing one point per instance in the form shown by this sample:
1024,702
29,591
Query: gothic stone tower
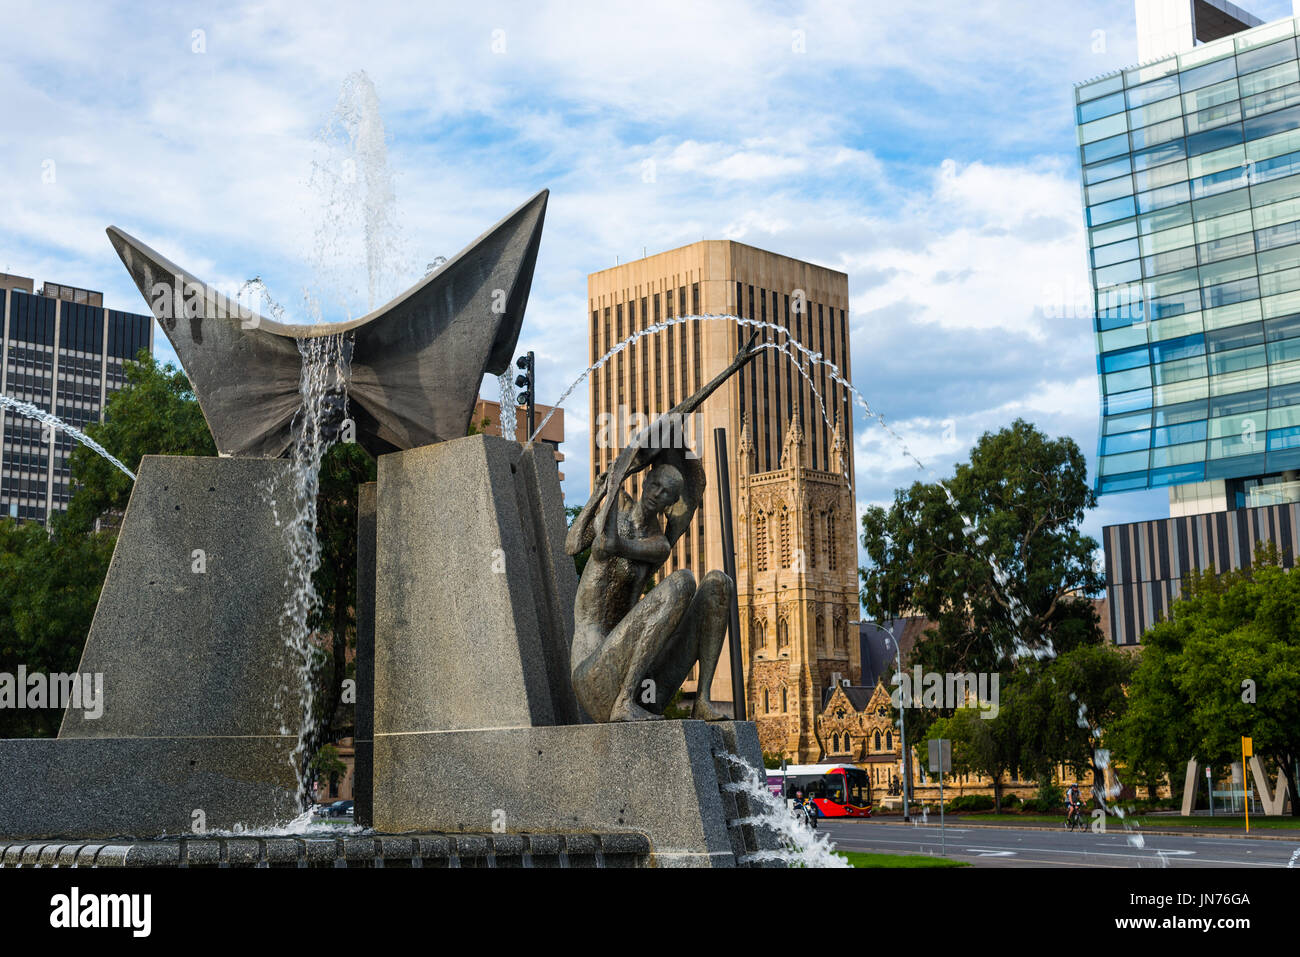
797,561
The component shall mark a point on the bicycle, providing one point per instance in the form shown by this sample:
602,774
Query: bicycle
1074,818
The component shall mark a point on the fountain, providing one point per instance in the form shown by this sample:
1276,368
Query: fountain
471,744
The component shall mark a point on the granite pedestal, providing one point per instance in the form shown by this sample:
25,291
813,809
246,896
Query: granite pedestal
475,724
197,687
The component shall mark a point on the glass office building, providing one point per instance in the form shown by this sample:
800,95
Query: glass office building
1191,182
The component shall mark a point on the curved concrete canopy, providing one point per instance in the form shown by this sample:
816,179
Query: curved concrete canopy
415,363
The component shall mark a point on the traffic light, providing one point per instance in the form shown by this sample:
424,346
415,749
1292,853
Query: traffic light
528,382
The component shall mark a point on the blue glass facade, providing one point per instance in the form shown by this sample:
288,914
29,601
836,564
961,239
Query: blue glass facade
1191,185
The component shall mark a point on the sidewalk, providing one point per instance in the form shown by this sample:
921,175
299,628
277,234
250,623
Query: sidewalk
1233,832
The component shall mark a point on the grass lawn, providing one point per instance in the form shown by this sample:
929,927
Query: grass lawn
859,859
1148,820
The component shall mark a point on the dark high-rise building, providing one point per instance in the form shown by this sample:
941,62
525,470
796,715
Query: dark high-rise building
61,351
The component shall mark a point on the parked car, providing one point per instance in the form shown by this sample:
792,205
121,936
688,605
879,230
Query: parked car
338,809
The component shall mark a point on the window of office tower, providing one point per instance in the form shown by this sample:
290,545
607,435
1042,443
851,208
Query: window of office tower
826,395
1191,174
685,367
632,350
659,367
672,382
740,343
644,348
695,309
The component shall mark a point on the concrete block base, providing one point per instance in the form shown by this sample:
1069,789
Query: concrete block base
144,787
666,780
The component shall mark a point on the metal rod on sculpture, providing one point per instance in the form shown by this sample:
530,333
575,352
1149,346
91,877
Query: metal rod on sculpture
729,566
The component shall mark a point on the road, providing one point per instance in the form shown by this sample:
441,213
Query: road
1055,847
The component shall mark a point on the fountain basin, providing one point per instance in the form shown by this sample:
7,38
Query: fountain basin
107,787
370,851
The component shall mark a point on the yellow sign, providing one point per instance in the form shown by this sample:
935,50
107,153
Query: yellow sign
1247,750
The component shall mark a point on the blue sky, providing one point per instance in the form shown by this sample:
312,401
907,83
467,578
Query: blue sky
925,148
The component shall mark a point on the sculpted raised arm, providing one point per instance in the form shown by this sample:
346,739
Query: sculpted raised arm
581,534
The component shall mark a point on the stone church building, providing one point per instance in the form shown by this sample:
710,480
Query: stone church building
796,553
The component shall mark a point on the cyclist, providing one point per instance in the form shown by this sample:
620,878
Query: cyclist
1073,802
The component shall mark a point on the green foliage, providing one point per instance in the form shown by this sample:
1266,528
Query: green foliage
1028,495
970,802
343,469
1057,709
1049,800
156,413
49,586
771,760
480,427
580,559
325,762
1230,633
674,707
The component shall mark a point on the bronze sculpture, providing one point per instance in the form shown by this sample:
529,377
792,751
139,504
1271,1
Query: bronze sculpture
630,653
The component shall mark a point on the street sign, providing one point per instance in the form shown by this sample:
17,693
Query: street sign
1247,750
940,755
941,763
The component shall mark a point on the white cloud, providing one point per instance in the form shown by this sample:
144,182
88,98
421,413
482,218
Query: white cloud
834,154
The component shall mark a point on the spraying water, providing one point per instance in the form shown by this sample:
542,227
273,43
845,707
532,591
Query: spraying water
508,407
358,209
35,412
801,846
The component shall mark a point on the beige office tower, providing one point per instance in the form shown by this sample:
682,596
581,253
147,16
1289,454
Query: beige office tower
809,304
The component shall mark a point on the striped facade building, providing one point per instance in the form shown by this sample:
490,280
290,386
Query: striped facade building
1146,561
807,303
63,352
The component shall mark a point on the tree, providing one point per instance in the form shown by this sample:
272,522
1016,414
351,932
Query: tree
343,469
1227,662
325,764
1019,502
1150,739
49,586
580,559
155,413
1062,708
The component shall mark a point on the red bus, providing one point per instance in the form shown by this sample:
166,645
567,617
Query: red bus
837,790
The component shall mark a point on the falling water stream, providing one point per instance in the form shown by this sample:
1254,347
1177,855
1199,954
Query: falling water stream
323,389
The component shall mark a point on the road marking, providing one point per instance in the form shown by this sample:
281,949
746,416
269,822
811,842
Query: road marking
1148,856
